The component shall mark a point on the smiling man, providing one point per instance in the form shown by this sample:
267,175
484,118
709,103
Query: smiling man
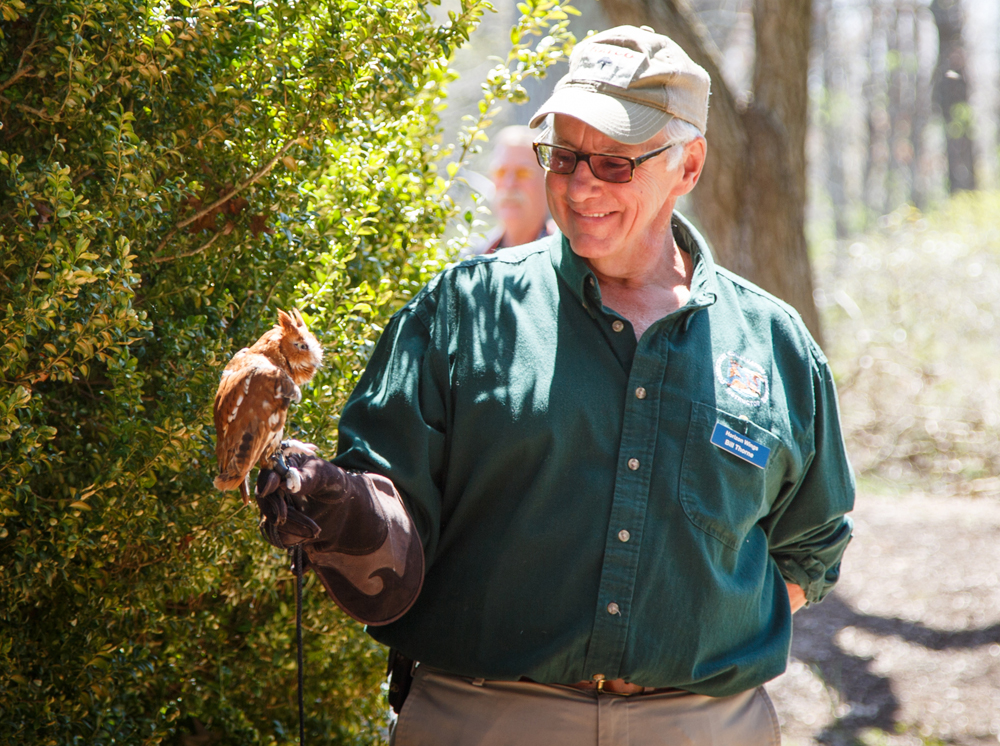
584,483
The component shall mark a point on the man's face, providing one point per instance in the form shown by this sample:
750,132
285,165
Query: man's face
519,199
604,220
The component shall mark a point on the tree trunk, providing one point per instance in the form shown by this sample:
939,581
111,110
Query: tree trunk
875,96
834,133
921,107
751,198
951,94
896,192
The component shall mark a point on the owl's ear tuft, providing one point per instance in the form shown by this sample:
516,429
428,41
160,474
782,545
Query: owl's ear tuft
297,317
285,320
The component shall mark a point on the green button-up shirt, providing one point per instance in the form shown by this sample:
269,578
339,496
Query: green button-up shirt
576,516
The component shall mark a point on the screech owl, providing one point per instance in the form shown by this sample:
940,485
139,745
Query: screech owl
257,387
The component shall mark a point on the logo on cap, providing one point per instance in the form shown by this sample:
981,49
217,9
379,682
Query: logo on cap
604,63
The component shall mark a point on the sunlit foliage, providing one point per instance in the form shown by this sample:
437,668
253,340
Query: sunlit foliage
171,173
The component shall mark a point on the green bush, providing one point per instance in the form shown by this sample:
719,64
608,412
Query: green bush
171,173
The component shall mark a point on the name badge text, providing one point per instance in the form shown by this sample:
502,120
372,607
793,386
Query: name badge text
740,445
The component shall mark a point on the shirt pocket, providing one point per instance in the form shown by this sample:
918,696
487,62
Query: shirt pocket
720,493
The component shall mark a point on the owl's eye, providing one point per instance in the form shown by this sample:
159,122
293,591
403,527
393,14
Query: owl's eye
301,345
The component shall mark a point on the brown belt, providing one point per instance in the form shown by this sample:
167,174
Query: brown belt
620,686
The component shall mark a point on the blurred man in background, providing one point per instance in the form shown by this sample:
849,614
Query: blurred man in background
519,201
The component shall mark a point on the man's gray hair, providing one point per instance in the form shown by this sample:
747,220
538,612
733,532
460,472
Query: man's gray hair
682,132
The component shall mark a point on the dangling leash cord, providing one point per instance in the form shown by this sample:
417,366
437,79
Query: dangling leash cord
281,467
298,639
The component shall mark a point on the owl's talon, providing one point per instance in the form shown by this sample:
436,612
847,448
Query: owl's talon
292,447
278,463
273,510
293,480
273,480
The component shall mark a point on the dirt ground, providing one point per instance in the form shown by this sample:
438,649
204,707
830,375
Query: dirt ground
906,650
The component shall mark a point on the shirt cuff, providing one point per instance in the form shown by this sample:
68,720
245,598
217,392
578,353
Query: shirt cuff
815,578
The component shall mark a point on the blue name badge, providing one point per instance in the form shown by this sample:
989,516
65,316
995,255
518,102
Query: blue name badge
740,445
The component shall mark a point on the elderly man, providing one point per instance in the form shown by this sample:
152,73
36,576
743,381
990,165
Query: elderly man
519,197
615,468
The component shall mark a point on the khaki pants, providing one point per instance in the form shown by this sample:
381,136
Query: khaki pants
446,710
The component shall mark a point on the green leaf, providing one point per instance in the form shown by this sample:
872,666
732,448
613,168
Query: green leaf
160,600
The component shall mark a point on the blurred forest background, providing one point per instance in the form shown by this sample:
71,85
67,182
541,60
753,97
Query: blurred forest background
172,172
904,95
902,218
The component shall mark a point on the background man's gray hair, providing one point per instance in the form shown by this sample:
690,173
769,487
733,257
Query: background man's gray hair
516,135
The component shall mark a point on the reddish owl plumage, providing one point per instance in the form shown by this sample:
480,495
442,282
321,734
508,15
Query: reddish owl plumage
257,387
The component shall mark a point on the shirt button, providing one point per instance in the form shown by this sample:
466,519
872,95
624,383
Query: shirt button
624,535
640,393
617,325
613,608
633,464
591,281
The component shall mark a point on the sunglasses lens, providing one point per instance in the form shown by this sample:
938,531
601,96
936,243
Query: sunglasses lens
615,170
559,160
604,167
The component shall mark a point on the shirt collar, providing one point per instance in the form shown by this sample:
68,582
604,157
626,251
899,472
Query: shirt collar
703,279
575,272
571,268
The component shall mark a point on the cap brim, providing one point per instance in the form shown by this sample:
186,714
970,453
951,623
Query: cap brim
624,121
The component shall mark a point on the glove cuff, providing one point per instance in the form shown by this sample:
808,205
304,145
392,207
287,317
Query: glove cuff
378,585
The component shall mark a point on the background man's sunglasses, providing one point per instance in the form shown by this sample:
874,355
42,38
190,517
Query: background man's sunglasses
618,169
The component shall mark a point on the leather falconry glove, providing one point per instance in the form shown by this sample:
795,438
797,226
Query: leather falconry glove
355,531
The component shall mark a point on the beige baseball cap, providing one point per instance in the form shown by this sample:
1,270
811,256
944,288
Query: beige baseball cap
628,83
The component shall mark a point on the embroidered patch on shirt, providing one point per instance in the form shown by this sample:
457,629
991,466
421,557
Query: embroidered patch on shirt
744,380
608,64
740,445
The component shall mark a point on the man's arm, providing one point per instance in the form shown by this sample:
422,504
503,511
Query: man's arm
367,521
807,529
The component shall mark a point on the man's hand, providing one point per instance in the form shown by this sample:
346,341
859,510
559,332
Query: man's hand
796,596
331,510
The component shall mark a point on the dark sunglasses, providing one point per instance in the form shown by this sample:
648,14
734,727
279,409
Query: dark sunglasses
617,169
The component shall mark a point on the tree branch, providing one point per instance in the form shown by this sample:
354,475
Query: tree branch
225,198
252,180
203,247
21,69
781,67
20,73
